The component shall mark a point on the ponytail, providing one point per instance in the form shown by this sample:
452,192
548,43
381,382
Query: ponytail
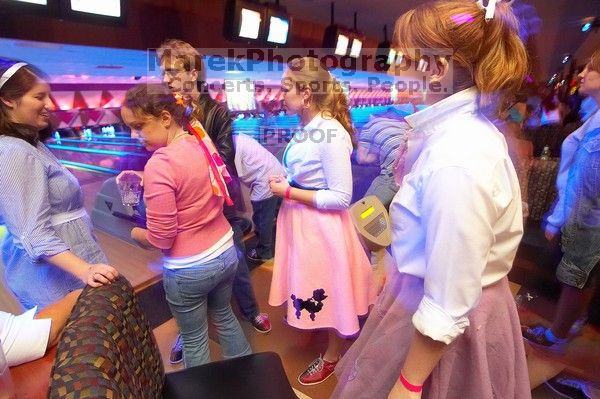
501,64
339,109
488,54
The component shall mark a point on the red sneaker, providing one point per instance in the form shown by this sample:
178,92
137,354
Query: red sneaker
317,372
261,323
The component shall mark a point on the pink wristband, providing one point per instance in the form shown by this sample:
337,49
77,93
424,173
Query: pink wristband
288,191
409,386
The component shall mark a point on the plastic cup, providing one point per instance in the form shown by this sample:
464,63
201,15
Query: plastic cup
130,188
7,389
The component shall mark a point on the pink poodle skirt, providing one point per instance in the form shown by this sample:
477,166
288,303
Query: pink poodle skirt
486,362
321,270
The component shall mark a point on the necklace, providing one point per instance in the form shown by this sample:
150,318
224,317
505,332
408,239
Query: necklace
178,136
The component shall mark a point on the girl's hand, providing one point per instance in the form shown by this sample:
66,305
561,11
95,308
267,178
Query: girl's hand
99,274
278,185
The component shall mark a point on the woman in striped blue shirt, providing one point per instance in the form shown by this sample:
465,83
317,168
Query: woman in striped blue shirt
50,249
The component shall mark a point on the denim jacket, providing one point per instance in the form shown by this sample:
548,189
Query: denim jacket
581,231
584,183
578,181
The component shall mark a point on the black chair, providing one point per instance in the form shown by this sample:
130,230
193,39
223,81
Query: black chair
256,376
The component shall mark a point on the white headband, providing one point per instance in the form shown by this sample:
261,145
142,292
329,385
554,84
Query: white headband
10,72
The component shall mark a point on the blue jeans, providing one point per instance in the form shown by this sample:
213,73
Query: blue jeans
242,285
197,291
243,291
580,262
263,217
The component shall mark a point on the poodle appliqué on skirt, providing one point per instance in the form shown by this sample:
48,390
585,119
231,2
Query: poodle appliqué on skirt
311,305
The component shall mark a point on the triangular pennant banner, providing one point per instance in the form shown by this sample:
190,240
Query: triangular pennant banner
105,98
79,101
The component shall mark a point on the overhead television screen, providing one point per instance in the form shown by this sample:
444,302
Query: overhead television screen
342,45
278,30
356,48
108,8
391,57
245,21
34,7
279,26
250,24
41,2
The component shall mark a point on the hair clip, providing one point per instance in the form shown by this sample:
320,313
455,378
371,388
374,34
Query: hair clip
490,9
179,99
188,111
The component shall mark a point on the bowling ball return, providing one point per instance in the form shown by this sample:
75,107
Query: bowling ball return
111,216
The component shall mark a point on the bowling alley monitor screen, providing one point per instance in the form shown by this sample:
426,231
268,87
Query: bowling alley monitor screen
250,24
41,2
109,8
37,7
244,20
278,30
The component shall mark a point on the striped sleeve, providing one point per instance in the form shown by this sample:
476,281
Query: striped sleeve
366,136
24,203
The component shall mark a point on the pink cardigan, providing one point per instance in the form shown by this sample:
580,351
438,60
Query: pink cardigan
184,217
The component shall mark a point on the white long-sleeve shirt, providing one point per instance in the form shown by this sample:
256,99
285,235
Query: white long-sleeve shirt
457,219
255,165
318,157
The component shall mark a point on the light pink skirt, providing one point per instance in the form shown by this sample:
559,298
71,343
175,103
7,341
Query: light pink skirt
486,362
321,269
